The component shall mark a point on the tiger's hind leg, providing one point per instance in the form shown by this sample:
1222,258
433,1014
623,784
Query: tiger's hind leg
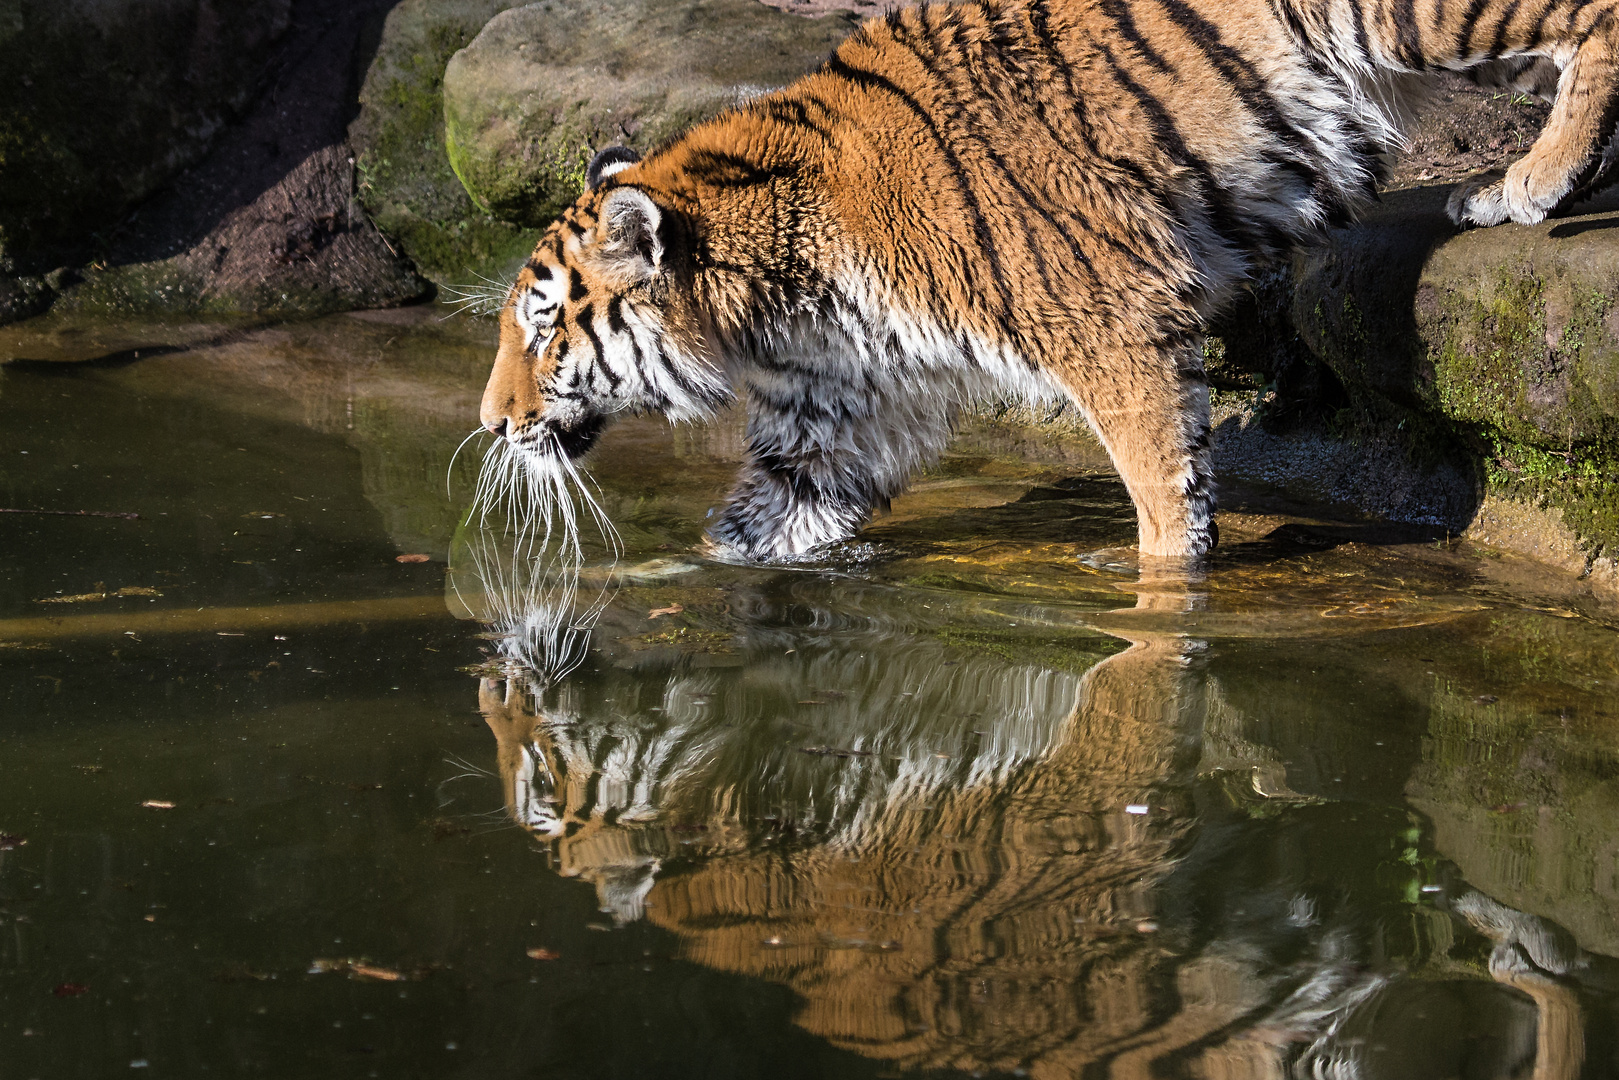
1575,153
1150,408
823,451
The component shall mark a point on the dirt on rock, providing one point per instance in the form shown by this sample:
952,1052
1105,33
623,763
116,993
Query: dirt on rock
866,9
1465,129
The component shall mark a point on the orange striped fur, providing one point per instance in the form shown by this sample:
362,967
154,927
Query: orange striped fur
1041,198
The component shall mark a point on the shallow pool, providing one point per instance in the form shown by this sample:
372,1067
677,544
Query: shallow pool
965,797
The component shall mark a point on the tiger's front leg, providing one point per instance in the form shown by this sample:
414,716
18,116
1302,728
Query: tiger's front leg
824,450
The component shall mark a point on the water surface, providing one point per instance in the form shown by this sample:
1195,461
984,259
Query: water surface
965,797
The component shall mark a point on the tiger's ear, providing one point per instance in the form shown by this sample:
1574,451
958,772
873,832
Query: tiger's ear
607,162
629,225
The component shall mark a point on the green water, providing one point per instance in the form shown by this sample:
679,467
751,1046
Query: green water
963,798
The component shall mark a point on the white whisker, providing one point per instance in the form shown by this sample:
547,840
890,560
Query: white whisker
450,471
529,559
481,300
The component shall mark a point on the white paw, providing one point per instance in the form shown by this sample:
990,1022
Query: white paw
1480,200
1524,207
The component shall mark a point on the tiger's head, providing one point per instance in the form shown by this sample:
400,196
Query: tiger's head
600,322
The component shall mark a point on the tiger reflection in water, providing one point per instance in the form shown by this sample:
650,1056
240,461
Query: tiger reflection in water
932,847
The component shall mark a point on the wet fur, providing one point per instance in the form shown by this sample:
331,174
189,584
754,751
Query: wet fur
1044,199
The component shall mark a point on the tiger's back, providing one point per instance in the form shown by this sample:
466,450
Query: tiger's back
1046,198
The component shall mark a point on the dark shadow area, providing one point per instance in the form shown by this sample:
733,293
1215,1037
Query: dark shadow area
1299,539
1577,228
121,358
311,95
1339,336
267,218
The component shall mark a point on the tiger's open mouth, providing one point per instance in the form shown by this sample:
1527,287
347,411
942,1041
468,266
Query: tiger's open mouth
577,441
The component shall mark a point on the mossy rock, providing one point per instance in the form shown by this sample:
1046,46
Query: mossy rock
544,86
405,180
105,101
1500,344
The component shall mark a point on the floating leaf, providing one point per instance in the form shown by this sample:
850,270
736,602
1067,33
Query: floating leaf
672,609
373,971
543,954
411,558
158,804
361,969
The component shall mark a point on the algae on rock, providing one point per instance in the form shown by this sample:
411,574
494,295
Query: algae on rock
544,86
405,180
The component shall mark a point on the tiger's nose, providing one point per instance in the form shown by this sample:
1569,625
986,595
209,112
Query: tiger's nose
497,428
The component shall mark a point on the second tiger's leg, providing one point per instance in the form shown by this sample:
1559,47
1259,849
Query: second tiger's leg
1577,148
1151,411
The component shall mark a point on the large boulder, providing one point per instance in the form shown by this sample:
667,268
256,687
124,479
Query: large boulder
104,101
1486,359
405,179
261,223
543,86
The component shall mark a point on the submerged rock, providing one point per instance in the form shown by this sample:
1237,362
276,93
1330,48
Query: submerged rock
542,87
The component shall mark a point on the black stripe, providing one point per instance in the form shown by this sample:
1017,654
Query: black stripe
668,365
576,286
1047,42
1250,87
1499,44
721,169
1125,23
1533,37
869,80
562,355
987,148
1361,41
1407,35
639,360
1570,13
1475,11
1222,215
584,321
794,114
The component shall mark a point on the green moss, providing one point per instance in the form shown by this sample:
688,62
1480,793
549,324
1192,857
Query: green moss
1524,394
1514,369
1479,364
403,161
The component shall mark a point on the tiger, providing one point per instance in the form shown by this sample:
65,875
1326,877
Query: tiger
1045,200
